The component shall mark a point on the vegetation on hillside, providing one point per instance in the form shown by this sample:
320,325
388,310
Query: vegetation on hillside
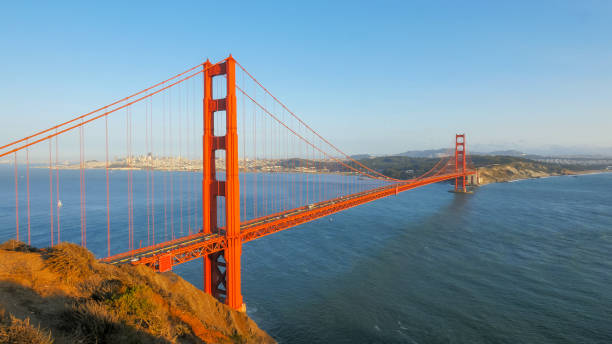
64,295
402,167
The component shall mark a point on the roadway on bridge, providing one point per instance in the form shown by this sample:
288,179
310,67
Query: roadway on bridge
200,239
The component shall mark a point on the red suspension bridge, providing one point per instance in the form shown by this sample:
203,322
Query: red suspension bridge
191,168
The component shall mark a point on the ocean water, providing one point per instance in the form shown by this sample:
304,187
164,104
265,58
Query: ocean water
522,262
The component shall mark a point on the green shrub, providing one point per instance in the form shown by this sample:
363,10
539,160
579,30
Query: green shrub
134,301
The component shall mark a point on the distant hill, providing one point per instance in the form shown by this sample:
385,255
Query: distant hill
510,152
560,159
401,167
429,153
361,156
438,153
405,167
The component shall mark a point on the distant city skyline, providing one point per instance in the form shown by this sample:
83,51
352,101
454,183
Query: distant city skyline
371,78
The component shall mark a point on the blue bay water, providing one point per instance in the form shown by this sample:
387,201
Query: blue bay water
522,262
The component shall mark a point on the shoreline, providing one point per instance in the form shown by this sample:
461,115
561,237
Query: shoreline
572,174
70,168
536,174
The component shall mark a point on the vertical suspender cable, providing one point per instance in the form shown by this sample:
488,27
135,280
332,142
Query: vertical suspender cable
172,161
83,181
180,151
188,155
131,180
264,155
28,188
272,174
152,171
306,176
301,173
16,200
165,152
57,199
107,194
244,155
255,199
319,169
51,195
275,156
147,170
81,184
195,155
127,154
80,180
84,195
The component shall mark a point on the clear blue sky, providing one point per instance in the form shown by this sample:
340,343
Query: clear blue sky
393,75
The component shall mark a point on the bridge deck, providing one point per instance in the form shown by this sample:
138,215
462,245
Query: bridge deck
197,245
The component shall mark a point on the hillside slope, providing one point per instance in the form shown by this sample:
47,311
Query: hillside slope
63,295
518,170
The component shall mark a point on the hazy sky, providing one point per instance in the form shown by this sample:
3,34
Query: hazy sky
373,77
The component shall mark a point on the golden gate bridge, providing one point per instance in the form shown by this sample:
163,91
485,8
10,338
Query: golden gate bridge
204,162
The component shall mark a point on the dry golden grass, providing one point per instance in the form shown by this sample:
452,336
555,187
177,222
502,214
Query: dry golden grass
81,300
18,246
70,261
17,331
90,322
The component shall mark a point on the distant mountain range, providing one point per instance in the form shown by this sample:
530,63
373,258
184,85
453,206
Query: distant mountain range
437,153
509,152
428,153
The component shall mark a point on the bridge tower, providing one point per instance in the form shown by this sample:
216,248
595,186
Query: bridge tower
222,269
460,162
